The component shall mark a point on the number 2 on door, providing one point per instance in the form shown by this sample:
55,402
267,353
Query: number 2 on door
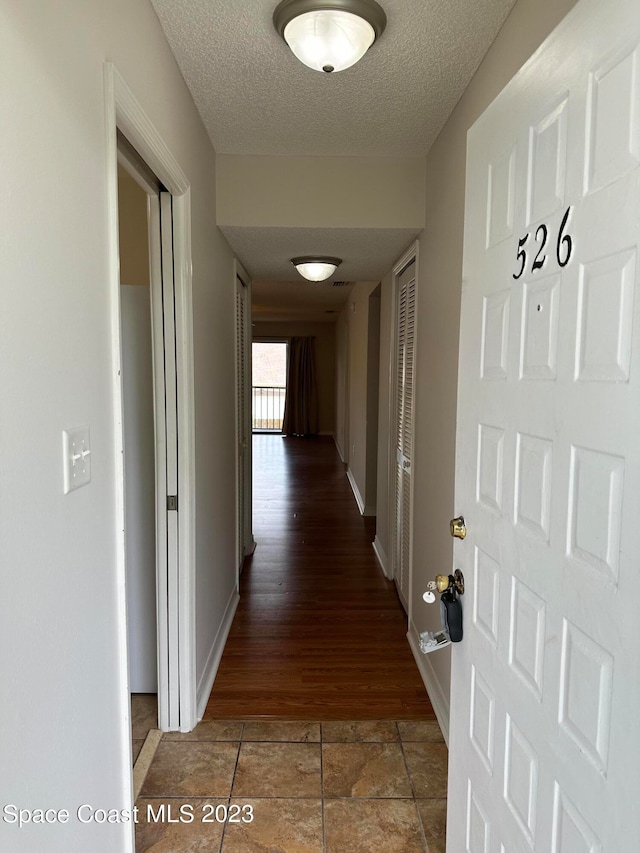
564,247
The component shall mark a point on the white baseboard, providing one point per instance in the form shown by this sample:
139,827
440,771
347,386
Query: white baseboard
339,449
439,701
356,491
382,558
213,659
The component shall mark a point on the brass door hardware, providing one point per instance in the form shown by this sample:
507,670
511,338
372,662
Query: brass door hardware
458,528
454,581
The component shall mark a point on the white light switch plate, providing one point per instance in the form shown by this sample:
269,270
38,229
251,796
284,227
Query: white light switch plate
76,458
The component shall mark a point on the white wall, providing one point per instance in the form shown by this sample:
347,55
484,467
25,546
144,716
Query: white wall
310,192
341,429
352,364
64,736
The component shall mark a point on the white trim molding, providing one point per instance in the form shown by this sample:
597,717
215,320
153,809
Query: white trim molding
439,701
214,657
365,509
381,556
123,112
356,491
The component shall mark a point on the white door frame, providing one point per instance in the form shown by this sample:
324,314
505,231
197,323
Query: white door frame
124,113
409,256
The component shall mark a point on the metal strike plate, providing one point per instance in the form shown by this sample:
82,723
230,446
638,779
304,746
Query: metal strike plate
458,528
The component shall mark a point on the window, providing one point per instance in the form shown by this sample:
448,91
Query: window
269,383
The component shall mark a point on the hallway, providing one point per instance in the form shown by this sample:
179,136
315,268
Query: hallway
319,730
319,633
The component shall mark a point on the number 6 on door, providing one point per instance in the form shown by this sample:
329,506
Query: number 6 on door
564,247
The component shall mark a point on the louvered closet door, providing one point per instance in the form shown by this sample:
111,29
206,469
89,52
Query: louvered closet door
405,338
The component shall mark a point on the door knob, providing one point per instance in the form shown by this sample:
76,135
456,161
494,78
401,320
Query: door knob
442,583
454,581
458,528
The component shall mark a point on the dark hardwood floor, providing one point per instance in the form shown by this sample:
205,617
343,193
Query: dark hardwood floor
319,632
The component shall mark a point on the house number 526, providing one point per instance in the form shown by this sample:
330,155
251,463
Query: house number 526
564,247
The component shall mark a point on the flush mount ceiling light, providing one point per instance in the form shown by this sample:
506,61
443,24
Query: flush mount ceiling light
315,268
332,35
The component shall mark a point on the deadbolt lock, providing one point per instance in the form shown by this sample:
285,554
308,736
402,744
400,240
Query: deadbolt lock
458,527
454,581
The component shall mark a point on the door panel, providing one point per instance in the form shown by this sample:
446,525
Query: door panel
545,683
167,468
405,352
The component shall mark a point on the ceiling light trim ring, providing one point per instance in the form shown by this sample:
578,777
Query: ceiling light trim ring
317,275
368,10
316,259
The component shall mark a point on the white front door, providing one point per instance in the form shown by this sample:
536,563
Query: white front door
545,741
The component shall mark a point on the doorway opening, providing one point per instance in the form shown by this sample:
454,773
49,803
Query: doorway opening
134,144
268,385
138,429
150,434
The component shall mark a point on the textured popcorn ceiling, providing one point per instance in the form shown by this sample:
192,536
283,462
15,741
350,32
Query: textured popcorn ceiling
255,97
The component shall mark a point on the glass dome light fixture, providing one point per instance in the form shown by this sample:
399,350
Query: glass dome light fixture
329,35
316,267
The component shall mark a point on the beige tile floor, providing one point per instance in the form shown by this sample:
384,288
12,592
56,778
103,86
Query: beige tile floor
365,787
